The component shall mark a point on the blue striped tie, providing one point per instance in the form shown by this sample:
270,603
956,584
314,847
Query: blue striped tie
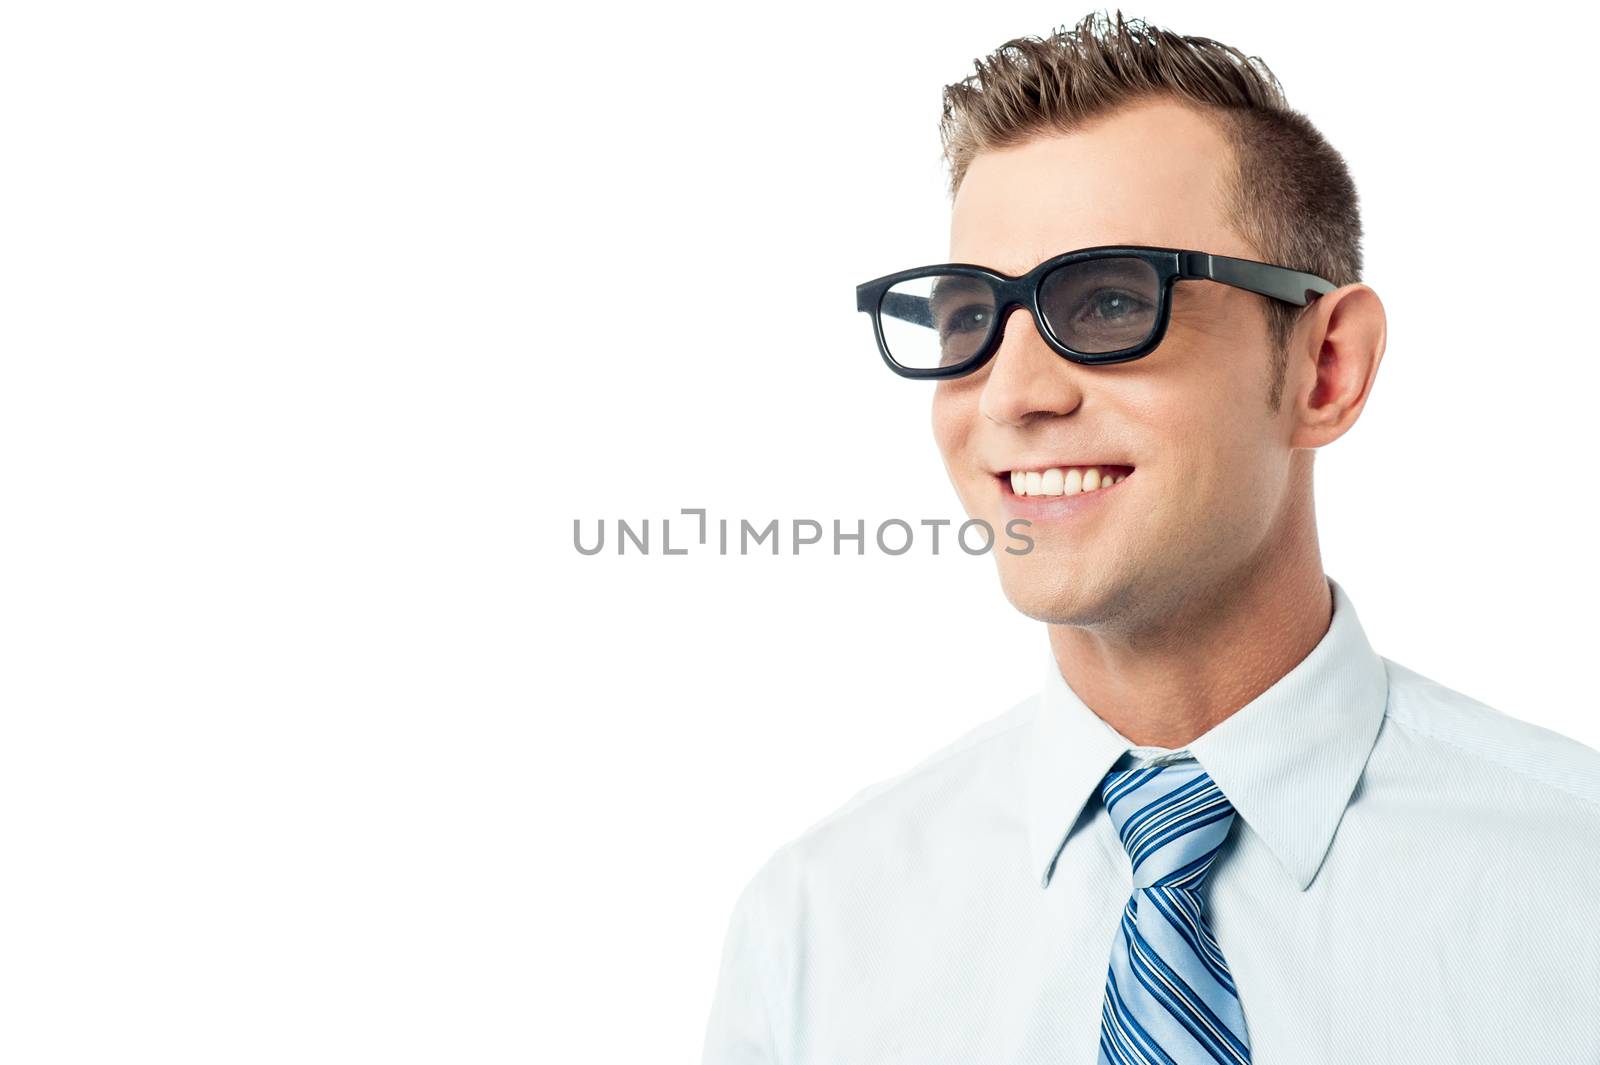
1170,999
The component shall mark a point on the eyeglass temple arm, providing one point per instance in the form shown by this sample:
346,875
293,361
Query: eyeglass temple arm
1279,282
914,309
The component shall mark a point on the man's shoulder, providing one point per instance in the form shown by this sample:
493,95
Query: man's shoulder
1454,725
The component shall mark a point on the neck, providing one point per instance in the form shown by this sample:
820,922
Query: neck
1202,658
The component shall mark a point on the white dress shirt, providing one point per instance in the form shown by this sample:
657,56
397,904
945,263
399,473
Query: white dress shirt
1413,876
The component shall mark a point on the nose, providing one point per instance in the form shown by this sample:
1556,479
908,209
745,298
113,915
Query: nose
1026,380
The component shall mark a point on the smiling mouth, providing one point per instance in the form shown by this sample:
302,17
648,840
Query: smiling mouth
1064,480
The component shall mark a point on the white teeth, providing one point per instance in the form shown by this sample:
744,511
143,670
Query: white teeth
1062,480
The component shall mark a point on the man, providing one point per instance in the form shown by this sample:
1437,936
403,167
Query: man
1226,830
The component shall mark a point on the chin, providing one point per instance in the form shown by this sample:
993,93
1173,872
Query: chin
1048,591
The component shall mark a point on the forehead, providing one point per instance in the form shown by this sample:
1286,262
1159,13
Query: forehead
1151,173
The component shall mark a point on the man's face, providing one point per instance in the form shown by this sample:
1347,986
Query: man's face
1208,493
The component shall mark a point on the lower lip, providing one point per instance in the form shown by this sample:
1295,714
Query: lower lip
1053,508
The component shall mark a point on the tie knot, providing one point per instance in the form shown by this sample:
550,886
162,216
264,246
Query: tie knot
1172,819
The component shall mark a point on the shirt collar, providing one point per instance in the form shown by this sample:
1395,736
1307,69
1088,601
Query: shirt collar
1288,760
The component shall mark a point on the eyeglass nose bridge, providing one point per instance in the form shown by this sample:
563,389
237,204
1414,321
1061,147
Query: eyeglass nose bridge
1009,295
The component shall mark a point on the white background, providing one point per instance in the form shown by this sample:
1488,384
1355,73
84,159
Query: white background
322,322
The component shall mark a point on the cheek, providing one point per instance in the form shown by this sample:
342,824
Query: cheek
1207,399
952,419
1186,435
1215,449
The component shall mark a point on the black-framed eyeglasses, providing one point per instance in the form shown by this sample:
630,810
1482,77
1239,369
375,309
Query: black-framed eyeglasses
1093,306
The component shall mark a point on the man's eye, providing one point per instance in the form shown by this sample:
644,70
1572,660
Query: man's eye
1110,305
969,319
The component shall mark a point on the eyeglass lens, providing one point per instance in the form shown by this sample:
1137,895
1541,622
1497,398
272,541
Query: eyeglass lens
1095,307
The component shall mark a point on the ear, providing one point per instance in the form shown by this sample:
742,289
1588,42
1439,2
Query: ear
1334,357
